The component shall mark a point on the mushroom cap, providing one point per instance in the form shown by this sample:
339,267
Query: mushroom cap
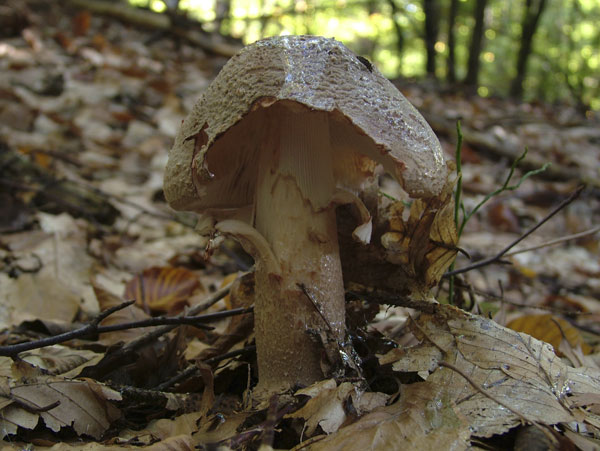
212,164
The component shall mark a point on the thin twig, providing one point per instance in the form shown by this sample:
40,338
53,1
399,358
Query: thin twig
195,321
501,298
556,241
497,258
382,297
192,369
109,311
93,328
88,329
159,331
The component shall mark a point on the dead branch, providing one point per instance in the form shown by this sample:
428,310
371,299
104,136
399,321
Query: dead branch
128,351
93,329
488,143
17,172
498,257
190,31
193,369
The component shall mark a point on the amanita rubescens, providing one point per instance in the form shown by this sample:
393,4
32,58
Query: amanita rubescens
289,129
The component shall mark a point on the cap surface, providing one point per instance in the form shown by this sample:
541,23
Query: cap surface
213,161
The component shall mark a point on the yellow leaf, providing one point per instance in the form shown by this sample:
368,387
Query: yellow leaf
550,329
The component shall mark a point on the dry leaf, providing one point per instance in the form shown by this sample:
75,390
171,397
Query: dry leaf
411,254
326,406
425,244
551,329
59,360
129,314
63,275
162,289
422,420
513,367
81,403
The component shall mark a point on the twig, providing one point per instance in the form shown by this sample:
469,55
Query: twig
501,298
152,335
272,418
192,369
556,241
128,351
497,258
88,329
381,297
93,327
270,423
195,321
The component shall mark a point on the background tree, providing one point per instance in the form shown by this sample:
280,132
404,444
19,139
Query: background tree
561,64
430,7
531,18
451,61
398,29
222,10
476,45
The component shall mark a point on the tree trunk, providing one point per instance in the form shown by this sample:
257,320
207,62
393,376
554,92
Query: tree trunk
451,62
431,33
399,34
531,18
476,44
222,12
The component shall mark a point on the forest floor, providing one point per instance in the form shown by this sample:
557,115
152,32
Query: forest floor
89,107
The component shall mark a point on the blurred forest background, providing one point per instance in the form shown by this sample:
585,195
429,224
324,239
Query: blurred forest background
547,50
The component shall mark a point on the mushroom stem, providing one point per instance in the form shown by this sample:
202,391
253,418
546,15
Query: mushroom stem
294,212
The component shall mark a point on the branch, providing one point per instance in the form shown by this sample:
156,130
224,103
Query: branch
559,240
93,328
127,352
193,369
497,258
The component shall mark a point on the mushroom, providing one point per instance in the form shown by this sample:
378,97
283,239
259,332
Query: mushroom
290,128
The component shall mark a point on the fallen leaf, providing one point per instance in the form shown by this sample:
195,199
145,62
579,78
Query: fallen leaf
514,368
131,313
56,288
326,406
424,244
551,329
422,419
162,289
83,404
60,360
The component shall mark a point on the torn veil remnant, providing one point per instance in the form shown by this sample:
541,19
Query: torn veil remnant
291,127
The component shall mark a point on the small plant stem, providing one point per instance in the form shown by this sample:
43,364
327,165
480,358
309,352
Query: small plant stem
457,202
496,258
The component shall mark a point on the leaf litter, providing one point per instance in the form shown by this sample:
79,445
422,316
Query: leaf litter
99,108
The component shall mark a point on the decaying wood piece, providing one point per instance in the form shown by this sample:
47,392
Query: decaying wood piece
489,143
53,194
209,42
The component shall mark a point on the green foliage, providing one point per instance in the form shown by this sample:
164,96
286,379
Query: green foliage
566,50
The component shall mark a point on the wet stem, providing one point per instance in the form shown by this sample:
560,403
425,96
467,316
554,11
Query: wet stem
457,204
